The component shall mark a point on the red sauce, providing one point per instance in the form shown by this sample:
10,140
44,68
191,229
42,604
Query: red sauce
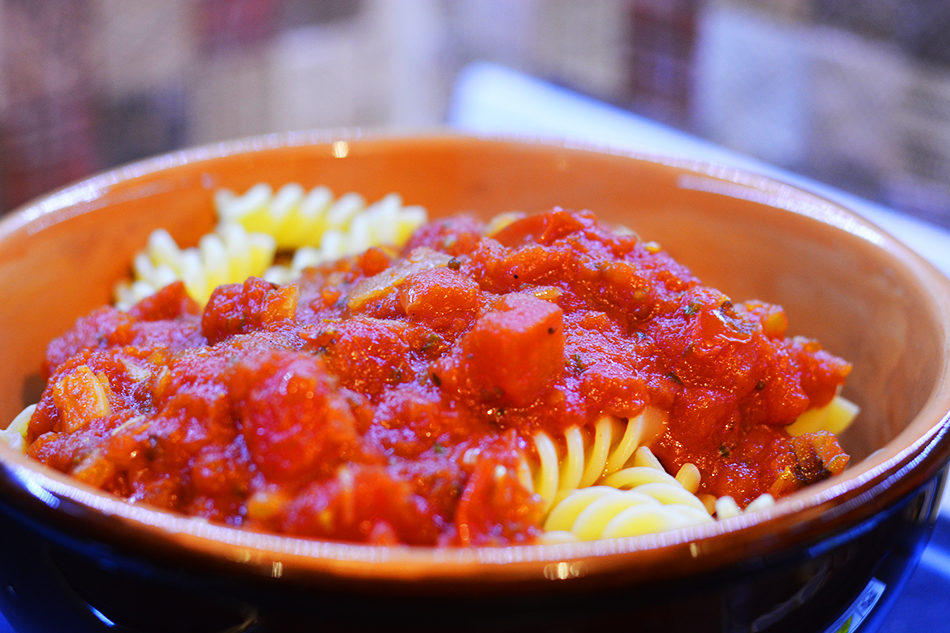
388,397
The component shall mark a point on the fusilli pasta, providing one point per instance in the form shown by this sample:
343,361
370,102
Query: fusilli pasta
597,482
228,255
639,499
612,485
254,227
15,433
614,442
834,417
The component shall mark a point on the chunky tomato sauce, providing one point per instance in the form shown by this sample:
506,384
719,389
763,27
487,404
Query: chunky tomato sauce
389,397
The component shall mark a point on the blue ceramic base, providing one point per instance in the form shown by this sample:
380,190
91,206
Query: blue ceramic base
917,608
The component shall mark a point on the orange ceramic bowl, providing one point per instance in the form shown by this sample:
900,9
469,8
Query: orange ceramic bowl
812,559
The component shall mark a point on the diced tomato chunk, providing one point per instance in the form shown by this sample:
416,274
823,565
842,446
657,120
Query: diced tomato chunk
239,308
443,299
293,418
542,228
169,302
367,354
515,351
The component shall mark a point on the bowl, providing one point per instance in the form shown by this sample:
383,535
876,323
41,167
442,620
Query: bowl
839,549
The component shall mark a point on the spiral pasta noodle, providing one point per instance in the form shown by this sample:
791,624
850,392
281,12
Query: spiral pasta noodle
607,484
314,225
228,255
834,417
614,442
15,433
726,507
615,486
640,499
298,218
253,227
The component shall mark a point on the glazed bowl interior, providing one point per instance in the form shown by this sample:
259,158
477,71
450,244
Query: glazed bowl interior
841,280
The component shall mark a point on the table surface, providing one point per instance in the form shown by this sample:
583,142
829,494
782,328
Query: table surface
491,99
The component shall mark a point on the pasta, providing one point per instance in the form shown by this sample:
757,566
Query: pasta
297,218
585,463
638,499
228,255
833,418
317,227
15,433
334,390
614,486
253,227
605,512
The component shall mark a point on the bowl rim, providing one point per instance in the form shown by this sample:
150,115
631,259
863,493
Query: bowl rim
837,504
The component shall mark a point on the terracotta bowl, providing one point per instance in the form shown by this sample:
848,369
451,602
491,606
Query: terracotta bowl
75,558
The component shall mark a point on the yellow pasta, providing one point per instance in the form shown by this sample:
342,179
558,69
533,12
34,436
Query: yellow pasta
15,433
833,417
608,484
298,218
604,512
229,255
347,227
611,485
253,227
726,507
614,442
640,499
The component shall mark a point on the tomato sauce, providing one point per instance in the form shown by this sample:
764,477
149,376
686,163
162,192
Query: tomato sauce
389,397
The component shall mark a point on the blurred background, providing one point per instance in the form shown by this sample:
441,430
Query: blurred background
853,93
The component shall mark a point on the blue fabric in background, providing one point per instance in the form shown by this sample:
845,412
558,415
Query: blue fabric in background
923,605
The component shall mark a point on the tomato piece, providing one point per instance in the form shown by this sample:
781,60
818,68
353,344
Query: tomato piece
240,308
293,418
495,507
443,299
516,351
170,302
